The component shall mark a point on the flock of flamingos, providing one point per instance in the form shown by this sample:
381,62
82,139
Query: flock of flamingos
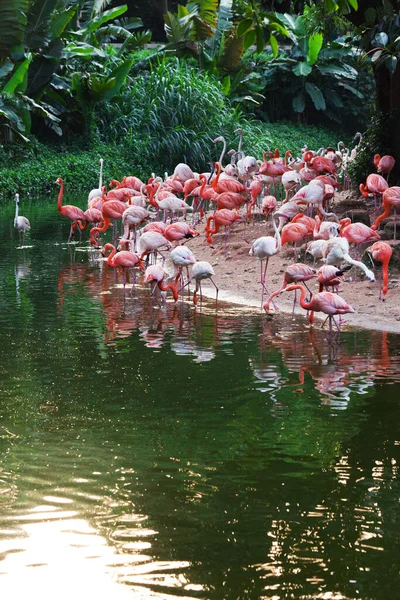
292,192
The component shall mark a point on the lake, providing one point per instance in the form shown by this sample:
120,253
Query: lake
152,450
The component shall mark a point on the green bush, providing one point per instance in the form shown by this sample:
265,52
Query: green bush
376,140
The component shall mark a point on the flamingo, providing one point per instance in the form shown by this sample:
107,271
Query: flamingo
384,164
151,242
316,249
375,184
202,270
325,230
263,248
330,276
21,224
326,302
74,213
390,197
182,172
179,231
111,209
336,250
291,180
157,273
286,212
294,232
182,256
268,205
313,194
357,233
223,217
382,252
124,259
131,218
293,274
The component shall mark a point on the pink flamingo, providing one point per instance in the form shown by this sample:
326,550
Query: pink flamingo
294,232
382,252
357,233
390,198
74,213
179,231
151,242
293,274
111,209
375,184
157,274
221,218
125,260
268,205
326,302
384,164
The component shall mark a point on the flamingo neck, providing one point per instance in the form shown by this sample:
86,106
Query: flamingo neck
303,303
223,150
110,258
215,184
171,286
101,174
60,195
16,210
385,214
277,235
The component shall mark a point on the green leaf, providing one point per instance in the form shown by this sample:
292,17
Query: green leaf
13,20
316,96
302,69
107,15
60,21
250,39
226,85
19,77
299,103
260,38
6,68
353,4
370,15
244,26
120,75
274,45
314,46
381,39
351,89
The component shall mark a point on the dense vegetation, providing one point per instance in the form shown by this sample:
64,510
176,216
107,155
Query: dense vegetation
77,83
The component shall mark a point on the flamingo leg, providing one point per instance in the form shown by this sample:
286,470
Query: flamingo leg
215,285
294,302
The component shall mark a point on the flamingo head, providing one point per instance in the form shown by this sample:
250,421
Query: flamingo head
59,181
377,158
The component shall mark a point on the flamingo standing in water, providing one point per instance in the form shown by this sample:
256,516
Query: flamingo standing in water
74,213
124,259
293,274
182,256
326,302
21,224
157,273
382,252
263,248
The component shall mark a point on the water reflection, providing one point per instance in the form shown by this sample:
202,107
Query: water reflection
164,451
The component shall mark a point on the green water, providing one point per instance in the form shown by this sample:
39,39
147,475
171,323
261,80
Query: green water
151,451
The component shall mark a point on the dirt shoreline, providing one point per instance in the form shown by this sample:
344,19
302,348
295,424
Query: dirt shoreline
237,276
